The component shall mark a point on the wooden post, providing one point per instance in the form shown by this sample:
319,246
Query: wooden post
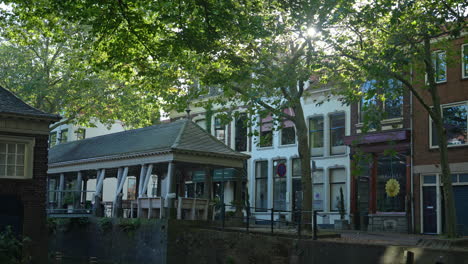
117,205
141,180
148,173
170,196
79,186
60,190
98,210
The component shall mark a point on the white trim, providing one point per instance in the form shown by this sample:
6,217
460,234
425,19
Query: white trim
30,143
436,52
454,104
463,66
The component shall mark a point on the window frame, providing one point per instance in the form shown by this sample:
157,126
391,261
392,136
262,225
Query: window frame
281,137
265,179
52,143
322,184
464,64
28,155
431,132
80,131
330,129
316,131
238,139
331,183
62,132
219,127
435,64
278,178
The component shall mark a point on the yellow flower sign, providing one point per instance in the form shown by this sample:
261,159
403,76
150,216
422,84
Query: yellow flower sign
392,188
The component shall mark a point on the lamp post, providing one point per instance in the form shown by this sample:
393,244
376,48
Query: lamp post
153,190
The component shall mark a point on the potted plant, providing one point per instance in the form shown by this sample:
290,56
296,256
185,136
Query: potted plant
342,223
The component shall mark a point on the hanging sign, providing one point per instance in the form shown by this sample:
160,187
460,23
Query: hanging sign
281,169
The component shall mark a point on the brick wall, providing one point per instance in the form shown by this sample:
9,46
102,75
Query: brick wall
32,194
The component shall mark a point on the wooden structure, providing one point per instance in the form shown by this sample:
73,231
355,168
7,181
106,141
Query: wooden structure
169,152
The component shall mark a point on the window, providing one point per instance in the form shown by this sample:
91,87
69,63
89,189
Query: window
288,136
288,133
316,135
16,157
266,131
201,123
455,124
220,130
391,107
337,133
261,186
64,136
368,101
53,139
391,167
393,104
337,184
80,133
318,193
279,184
440,66
296,185
464,60
241,133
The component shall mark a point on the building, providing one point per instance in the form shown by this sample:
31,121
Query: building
381,153
70,132
452,85
24,133
269,187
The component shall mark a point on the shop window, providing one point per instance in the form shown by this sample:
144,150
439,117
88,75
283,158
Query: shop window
53,139
318,192
337,133
455,124
391,167
80,133
16,157
261,186
64,135
316,136
279,184
440,66
337,183
220,130
266,132
464,61
241,133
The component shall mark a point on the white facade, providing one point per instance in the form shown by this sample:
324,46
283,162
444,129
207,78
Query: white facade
69,132
326,163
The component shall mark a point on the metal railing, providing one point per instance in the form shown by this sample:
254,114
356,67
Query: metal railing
278,219
69,202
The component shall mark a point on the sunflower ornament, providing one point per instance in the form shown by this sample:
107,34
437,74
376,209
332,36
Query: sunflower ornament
392,188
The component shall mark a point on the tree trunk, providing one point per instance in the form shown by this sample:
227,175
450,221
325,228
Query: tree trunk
306,176
446,179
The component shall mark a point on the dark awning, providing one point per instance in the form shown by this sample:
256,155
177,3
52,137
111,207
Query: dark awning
220,175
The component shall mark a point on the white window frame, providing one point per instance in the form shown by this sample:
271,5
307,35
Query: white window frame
330,115
435,54
430,125
324,128
28,155
281,137
463,64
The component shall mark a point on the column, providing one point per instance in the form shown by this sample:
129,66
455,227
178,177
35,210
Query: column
117,204
171,188
79,186
60,190
98,208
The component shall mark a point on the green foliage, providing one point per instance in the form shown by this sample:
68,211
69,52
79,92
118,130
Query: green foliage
129,225
105,224
11,248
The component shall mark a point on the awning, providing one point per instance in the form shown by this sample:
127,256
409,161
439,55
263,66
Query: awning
230,174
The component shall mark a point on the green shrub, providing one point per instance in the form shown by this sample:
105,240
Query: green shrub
129,225
11,248
105,224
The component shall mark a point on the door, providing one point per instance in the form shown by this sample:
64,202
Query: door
460,194
11,214
430,209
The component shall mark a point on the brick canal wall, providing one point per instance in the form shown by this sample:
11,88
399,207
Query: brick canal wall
157,241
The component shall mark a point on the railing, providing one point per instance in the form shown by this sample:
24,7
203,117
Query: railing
275,222
70,202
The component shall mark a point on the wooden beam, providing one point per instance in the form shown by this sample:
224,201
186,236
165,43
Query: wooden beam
100,181
141,182
117,204
149,171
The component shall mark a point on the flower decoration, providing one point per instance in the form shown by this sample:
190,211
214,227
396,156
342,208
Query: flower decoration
392,188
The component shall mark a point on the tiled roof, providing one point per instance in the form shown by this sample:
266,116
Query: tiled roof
178,136
12,105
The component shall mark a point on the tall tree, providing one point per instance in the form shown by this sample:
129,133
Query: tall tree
47,61
257,52
392,42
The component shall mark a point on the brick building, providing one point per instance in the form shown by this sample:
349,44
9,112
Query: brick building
24,134
452,81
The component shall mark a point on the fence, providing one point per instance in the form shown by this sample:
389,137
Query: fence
275,222
69,202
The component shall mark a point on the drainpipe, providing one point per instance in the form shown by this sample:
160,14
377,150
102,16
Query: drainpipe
411,156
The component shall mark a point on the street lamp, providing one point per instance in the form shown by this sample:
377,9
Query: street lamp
153,190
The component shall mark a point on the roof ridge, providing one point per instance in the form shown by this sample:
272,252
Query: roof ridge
181,132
